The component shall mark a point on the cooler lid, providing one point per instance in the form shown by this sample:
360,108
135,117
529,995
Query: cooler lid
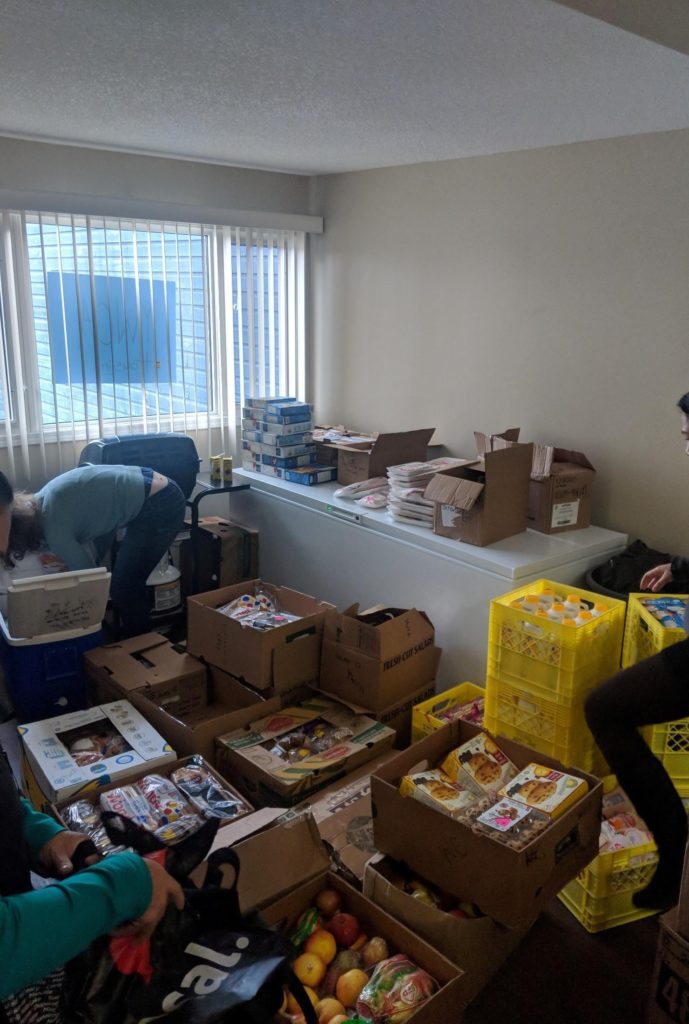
57,602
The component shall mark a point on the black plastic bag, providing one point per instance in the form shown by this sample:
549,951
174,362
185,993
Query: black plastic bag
204,964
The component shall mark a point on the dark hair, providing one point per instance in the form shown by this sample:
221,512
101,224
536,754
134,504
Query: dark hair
26,531
684,404
6,492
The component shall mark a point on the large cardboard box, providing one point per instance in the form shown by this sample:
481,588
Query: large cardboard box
562,500
398,716
486,500
670,987
377,666
230,705
478,945
52,775
151,666
281,658
510,886
248,757
362,460
226,553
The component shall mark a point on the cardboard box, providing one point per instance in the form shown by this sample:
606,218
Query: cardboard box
670,987
362,460
245,755
226,553
510,886
478,945
486,500
377,666
151,666
445,1006
562,500
57,603
93,796
230,705
398,716
282,658
50,773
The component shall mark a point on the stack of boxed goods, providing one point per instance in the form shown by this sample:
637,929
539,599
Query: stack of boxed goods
363,457
548,648
655,622
600,897
277,440
407,484
475,832
381,661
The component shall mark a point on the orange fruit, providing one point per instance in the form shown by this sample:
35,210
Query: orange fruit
293,1006
327,1009
349,985
323,944
310,969
361,940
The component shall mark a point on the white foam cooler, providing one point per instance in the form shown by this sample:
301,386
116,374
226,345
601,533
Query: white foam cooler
51,621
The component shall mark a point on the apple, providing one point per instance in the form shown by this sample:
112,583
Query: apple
328,902
375,950
345,928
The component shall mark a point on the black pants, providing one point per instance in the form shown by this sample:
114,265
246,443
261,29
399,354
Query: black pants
654,691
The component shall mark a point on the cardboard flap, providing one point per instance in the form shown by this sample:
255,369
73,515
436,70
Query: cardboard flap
571,457
412,442
448,490
494,442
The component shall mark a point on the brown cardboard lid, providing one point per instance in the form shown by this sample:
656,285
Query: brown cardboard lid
564,455
450,490
493,442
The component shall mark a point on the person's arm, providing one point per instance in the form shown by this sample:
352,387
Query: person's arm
38,828
63,544
40,931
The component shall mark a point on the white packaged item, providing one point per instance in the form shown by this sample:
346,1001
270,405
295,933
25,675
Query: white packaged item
356,490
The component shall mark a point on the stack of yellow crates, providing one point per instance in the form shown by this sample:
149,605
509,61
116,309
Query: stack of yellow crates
540,671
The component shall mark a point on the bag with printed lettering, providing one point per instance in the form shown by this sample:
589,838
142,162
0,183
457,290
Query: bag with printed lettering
204,964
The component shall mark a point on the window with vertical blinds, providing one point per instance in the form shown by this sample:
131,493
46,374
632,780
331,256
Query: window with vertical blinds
116,326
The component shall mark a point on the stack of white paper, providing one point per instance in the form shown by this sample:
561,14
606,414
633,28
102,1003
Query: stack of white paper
406,502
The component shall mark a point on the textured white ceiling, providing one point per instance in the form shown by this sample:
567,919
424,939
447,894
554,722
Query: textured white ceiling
315,86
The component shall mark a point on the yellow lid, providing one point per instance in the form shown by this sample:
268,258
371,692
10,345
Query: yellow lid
548,590
532,597
573,598
515,604
557,607
542,613
600,606
585,614
568,622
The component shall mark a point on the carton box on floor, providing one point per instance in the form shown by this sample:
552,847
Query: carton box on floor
478,945
510,886
486,500
562,500
670,986
226,553
283,658
249,755
362,460
51,773
376,666
230,705
149,665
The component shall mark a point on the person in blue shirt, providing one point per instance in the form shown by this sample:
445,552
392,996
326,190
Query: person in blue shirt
77,515
40,930
653,691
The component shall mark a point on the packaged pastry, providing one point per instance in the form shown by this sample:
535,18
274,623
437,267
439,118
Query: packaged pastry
504,815
547,790
520,833
84,817
435,788
177,817
482,761
395,990
470,712
206,794
129,802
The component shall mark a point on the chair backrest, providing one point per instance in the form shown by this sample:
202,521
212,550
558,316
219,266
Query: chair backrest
173,455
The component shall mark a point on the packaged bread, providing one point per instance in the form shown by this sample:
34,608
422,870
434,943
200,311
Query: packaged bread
435,788
545,789
480,762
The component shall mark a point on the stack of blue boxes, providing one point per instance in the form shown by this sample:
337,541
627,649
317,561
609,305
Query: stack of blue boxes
277,440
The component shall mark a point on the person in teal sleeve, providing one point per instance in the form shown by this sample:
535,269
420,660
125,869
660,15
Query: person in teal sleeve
40,930
77,515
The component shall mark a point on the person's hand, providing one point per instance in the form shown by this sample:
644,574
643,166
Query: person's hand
656,579
165,890
56,855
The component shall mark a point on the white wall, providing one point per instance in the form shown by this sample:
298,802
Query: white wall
547,289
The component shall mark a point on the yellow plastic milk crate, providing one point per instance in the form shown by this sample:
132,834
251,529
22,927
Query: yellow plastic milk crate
600,897
424,720
644,634
550,659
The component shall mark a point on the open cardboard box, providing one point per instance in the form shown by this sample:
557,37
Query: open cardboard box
670,986
510,886
377,666
562,500
478,945
362,460
231,705
486,500
283,887
245,754
399,715
281,658
149,665
93,796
